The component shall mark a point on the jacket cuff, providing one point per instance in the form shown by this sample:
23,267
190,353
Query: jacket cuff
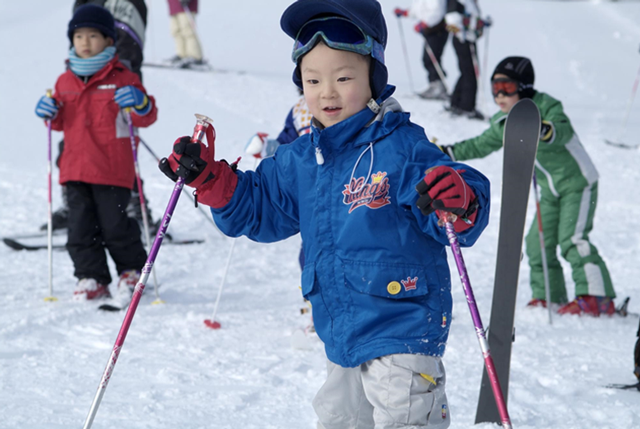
145,108
217,192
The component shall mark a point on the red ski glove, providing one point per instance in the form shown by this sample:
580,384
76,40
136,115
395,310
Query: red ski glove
444,191
400,12
215,181
420,27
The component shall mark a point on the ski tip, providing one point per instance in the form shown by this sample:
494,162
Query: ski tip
109,307
624,386
212,324
13,244
621,144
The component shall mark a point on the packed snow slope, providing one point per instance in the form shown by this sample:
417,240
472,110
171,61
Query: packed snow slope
173,371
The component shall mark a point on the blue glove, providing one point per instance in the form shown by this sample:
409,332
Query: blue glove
47,108
130,96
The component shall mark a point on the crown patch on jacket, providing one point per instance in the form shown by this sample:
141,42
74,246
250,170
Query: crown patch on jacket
409,283
373,195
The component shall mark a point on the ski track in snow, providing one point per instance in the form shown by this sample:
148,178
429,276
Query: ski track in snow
173,371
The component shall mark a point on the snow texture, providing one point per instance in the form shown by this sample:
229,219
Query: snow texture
175,372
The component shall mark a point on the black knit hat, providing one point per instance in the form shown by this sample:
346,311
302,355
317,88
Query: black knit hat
92,16
520,69
366,14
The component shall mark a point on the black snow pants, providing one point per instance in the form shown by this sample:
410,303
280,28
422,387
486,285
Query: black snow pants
97,221
436,38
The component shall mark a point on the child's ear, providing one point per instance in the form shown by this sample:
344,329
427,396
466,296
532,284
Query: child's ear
110,41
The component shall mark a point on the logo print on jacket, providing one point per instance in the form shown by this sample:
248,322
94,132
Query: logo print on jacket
373,195
409,283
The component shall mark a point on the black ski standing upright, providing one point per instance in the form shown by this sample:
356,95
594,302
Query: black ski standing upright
520,141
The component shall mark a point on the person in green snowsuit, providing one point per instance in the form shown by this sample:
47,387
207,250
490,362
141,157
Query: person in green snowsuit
569,191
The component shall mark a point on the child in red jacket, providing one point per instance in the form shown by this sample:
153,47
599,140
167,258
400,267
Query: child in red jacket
97,163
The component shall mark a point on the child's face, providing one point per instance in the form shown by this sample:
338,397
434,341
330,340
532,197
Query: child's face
335,83
89,42
505,102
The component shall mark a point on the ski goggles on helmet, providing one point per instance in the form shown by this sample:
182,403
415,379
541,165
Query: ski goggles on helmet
505,86
337,33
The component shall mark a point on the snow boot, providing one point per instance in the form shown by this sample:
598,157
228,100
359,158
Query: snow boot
435,91
589,305
90,289
469,114
126,285
535,302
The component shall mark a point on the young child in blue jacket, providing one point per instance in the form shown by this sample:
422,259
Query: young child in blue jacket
376,269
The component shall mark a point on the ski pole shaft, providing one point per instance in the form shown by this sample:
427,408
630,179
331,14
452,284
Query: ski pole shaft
436,64
406,55
226,268
485,56
192,21
224,279
143,203
543,250
198,134
475,316
205,213
49,209
632,96
476,69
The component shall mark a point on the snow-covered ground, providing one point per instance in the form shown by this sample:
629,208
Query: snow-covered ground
173,371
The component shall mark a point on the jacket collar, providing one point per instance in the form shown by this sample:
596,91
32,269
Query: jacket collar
365,126
102,73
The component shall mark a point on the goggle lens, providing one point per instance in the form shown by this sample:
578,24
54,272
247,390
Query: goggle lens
507,87
334,29
337,33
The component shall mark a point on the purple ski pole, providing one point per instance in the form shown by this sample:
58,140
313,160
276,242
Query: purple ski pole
199,132
475,315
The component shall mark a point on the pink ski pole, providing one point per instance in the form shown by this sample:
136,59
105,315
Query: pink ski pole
50,214
199,132
475,315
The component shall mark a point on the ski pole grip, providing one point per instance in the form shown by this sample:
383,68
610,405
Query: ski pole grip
202,123
49,93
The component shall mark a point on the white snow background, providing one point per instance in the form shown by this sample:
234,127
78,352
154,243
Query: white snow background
174,372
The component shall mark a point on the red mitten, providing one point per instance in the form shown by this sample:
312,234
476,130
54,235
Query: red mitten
444,191
215,181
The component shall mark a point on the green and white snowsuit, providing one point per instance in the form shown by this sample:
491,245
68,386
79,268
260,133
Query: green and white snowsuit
569,192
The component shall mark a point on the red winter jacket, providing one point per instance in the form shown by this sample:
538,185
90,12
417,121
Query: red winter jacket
97,146
175,7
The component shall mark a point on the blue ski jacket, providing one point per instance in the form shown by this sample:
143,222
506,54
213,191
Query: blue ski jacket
376,269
